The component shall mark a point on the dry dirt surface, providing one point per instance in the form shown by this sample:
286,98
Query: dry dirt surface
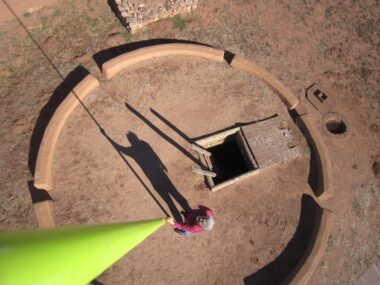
336,43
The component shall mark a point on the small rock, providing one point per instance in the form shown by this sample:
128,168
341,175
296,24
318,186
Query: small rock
124,14
374,128
20,126
118,2
255,259
141,5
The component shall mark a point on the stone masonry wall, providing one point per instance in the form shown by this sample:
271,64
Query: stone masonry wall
136,14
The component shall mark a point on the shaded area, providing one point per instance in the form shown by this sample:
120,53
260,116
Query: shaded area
172,126
161,133
295,251
155,170
228,56
38,195
336,126
227,160
47,112
96,282
315,167
105,55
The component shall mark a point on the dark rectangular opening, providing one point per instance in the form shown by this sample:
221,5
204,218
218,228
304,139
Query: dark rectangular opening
228,160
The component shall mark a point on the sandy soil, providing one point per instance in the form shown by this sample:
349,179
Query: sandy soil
335,43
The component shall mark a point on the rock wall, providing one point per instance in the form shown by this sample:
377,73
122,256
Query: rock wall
136,14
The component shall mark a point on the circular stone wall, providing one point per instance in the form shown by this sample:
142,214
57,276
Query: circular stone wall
93,184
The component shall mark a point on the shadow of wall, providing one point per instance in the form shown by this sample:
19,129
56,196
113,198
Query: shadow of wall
276,271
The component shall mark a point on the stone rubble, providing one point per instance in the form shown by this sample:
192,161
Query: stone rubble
137,14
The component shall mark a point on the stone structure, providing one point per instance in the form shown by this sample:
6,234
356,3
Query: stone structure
136,14
323,220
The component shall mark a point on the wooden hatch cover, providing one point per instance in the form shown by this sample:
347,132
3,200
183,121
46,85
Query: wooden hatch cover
271,141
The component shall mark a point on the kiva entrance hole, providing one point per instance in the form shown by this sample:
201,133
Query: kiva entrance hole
228,160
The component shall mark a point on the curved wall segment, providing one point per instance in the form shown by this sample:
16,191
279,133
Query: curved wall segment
43,170
115,65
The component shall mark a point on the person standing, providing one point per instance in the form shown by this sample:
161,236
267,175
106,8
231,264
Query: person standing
196,221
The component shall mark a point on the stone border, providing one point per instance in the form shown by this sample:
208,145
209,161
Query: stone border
43,172
287,97
305,267
319,149
309,261
113,66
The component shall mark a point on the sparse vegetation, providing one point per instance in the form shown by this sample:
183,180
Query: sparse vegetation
330,244
27,15
178,23
44,21
362,201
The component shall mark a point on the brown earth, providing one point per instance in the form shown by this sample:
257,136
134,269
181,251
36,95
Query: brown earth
335,43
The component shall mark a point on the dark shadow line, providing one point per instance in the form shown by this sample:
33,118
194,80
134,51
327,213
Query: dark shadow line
48,110
38,195
276,271
161,133
31,37
96,282
105,55
169,124
48,59
34,193
134,172
315,177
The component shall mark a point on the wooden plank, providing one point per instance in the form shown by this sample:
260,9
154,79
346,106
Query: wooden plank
235,179
217,138
246,151
209,180
271,141
200,150
197,170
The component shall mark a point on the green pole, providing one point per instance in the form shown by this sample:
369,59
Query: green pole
65,256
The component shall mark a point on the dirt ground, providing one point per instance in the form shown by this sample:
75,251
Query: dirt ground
335,43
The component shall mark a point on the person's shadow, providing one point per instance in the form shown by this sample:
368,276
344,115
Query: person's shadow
155,170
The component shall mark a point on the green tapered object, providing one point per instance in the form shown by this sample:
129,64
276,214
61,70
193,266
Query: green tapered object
67,256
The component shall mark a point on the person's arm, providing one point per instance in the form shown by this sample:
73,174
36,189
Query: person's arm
188,228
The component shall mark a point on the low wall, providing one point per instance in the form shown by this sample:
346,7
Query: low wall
117,64
304,269
43,172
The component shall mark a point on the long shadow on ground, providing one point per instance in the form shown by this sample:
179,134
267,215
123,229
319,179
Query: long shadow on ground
47,112
155,170
277,270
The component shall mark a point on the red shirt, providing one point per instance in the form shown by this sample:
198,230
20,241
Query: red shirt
190,224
